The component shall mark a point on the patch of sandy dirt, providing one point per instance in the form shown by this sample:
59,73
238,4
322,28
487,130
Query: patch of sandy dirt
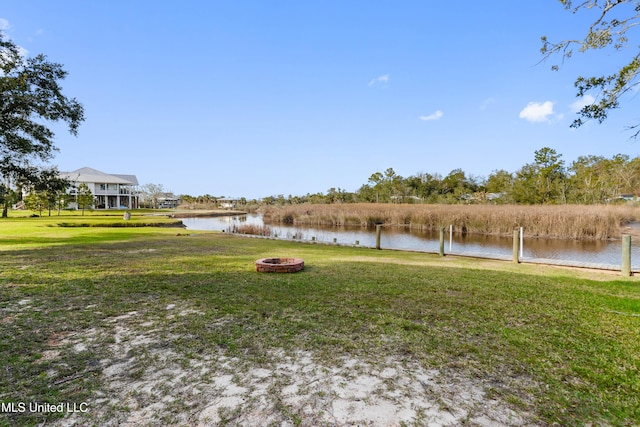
145,382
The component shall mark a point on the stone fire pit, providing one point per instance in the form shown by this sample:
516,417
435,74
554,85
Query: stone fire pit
279,265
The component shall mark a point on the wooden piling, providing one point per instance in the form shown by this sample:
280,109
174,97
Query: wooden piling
378,233
441,241
516,246
626,255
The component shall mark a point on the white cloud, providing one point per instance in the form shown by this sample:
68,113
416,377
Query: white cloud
582,102
4,25
435,116
487,102
380,79
538,112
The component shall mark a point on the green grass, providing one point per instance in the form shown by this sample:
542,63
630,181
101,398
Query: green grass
551,342
22,231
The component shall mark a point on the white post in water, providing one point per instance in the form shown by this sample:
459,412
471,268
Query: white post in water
626,255
450,237
521,242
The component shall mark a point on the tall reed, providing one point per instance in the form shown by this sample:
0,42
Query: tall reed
552,221
257,230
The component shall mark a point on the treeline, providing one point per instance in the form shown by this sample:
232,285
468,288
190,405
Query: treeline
546,180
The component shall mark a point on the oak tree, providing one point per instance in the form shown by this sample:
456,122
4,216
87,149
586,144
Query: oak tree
609,29
31,99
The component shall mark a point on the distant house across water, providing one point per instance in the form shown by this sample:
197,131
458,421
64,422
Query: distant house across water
110,191
168,200
228,203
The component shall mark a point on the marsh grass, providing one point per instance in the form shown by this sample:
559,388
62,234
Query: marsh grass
252,229
563,349
551,221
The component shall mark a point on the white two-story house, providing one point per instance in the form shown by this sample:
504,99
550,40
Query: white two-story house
110,191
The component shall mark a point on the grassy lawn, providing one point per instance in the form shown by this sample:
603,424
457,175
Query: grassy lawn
154,327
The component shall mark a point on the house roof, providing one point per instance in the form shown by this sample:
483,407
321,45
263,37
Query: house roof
87,174
131,178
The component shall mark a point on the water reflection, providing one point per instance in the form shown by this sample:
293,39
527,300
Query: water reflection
602,252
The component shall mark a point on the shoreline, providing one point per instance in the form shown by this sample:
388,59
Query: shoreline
575,222
206,214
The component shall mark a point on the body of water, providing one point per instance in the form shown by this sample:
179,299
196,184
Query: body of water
578,251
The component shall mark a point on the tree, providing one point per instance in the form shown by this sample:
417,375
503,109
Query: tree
499,184
366,193
35,201
424,185
457,186
85,198
625,174
30,99
7,195
377,180
542,181
387,186
151,193
335,196
52,187
609,29
499,181
589,180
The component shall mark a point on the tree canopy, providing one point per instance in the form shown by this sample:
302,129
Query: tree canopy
31,99
546,180
610,28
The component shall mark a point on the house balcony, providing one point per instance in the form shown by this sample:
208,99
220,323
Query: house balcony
122,191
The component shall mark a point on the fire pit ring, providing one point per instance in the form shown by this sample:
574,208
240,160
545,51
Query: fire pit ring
279,265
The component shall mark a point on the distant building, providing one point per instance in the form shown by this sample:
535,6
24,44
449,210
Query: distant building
623,198
228,203
168,200
110,191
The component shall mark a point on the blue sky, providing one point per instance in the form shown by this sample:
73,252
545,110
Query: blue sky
256,98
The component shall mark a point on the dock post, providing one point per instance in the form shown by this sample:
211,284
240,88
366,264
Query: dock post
378,233
516,238
521,242
441,241
626,255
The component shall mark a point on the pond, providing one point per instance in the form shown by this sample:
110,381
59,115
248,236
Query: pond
579,251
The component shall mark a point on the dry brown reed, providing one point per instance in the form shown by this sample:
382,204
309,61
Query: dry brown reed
256,230
551,221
